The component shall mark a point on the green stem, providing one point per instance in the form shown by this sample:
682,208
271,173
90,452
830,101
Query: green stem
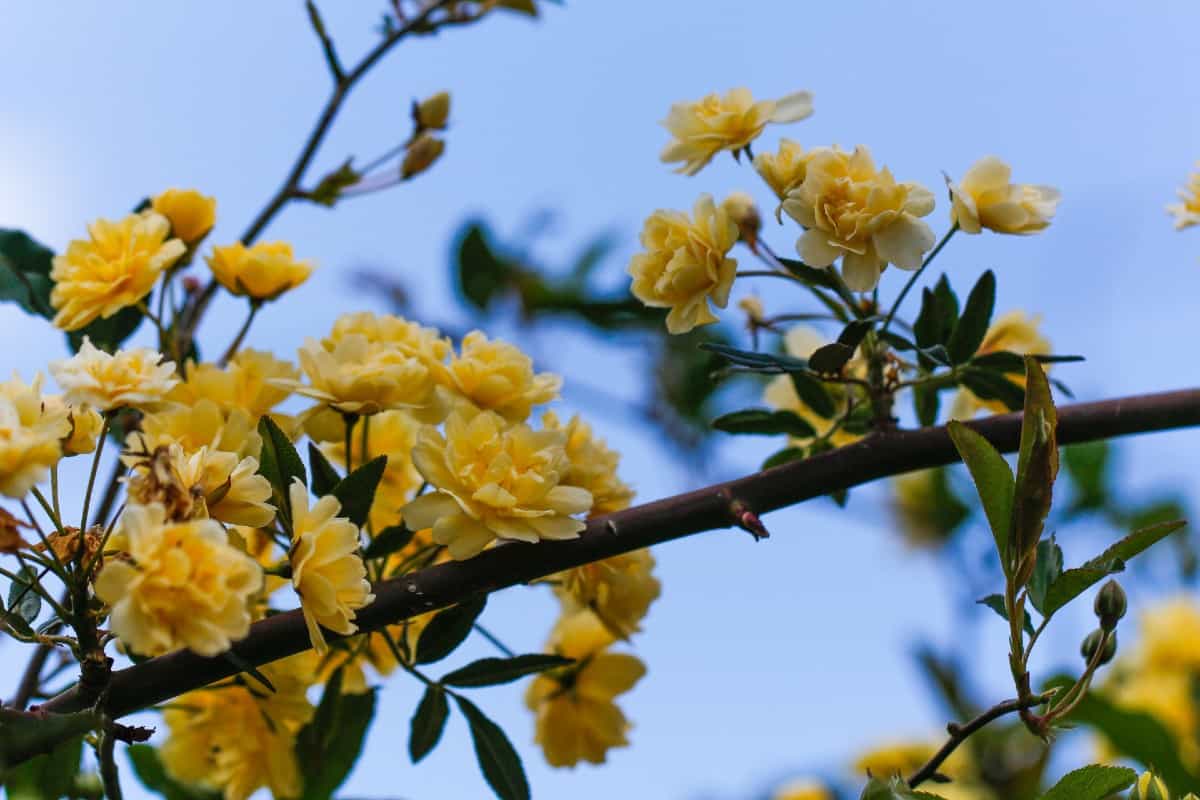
236,344
54,491
350,420
494,640
913,279
91,484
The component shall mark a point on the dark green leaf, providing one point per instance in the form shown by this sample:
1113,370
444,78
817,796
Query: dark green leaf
150,771
1048,570
108,334
25,272
830,358
23,599
813,394
938,315
1093,782
245,666
494,671
973,324
814,276
498,760
996,603
324,476
897,341
45,777
785,456
993,481
765,422
388,541
279,462
448,629
993,386
356,492
428,722
926,403
852,335
1037,468
770,363
481,273
328,746
936,354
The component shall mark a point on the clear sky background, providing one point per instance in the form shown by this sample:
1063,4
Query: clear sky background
766,660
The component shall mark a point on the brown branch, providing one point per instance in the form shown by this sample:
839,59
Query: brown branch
877,456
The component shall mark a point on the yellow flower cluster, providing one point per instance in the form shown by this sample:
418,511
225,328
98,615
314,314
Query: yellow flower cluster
1187,210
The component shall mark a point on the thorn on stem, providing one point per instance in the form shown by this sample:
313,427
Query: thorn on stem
747,520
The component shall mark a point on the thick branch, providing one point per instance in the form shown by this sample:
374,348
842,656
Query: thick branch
719,506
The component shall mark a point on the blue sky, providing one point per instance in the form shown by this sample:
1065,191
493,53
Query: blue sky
765,660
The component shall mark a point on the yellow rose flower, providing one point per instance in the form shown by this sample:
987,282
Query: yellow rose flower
785,170
425,344
114,269
852,211
132,378
801,341
1015,332
327,569
1171,637
31,435
703,128
223,486
237,739
497,376
203,424
593,466
576,718
686,264
802,789
244,383
1165,695
261,272
1187,212
191,214
433,111
985,198
86,424
618,590
391,434
493,480
183,585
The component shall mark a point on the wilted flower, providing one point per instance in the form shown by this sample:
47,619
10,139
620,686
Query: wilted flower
31,435
1187,212
496,376
686,264
985,198
114,269
191,214
261,272
704,128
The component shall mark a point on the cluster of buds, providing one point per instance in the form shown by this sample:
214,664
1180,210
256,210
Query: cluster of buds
431,114
1110,607
1151,787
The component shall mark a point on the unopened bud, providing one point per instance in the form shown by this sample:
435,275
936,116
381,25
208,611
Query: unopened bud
1110,605
191,284
1149,787
433,111
755,313
1092,643
421,155
741,209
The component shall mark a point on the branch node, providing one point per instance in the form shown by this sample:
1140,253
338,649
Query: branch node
745,518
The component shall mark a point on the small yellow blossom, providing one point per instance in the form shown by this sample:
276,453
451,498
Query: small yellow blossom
785,170
801,341
618,590
576,718
420,155
31,435
497,376
494,480
244,383
802,789
132,378
686,264
114,269
985,198
261,272
1016,332
221,485
391,434
1187,211
703,128
236,739
327,569
203,424
433,111
741,209
593,466
860,214
191,214
86,424
183,585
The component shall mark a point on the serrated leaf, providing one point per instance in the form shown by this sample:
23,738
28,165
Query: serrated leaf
428,722
996,603
448,629
388,541
324,476
971,327
495,671
830,357
993,482
279,463
813,394
1094,782
150,771
764,422
356,492
498,760
1049,568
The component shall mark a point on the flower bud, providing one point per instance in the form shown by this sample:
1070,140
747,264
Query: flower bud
433,111
741,209
1110,605
1149,787
1092,642
421,155
755,313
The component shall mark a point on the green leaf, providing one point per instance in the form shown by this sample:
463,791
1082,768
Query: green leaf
481,273
938,315
993,481
972,326
388,541
23,599
428,722
785,456
45,777
996,603
328,746
854,332
770,363
108,334
814,276
279,463
330,188
993,386
926,403
356,492
448,629
494,671
324,476
1037,467
25,273
1075,582
245,666
813,394
498,760
765,422
150,771
1093,782
1048,569
830,357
